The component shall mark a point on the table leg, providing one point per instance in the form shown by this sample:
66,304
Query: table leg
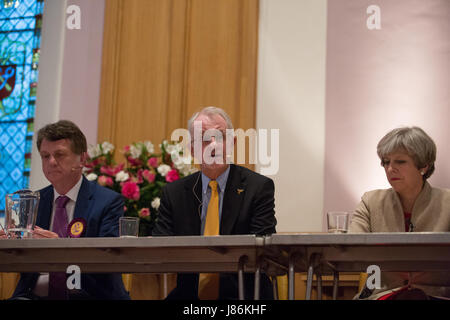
257,279
319,285
309,280
165,286
335,284
275,287
291,278
242,261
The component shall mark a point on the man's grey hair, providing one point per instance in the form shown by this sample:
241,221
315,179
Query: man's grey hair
209,111
415,142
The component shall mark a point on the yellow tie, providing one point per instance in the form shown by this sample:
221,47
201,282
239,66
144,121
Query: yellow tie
208,284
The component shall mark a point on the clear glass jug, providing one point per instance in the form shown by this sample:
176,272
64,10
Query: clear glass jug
21,212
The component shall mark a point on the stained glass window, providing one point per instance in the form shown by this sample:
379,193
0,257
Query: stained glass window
20,37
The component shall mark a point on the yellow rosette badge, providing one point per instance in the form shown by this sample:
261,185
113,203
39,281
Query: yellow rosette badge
76,228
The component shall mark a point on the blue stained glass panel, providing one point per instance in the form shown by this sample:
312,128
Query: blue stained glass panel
20,38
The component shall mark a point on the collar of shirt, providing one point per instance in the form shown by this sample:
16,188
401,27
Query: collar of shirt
72,194
221,181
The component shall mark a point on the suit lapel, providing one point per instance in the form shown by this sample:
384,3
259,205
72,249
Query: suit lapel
84,199
45,208
193,202
232,199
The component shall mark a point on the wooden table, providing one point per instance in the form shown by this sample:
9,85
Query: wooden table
237,253
334,253
277,254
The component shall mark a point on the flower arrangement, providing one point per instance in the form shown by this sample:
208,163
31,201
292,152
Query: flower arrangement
141,178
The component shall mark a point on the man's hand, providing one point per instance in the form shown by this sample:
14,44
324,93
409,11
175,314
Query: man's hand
3,235
40,233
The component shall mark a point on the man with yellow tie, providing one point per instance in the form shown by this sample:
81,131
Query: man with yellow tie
221,199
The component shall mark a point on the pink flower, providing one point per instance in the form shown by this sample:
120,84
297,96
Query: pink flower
131,190
105,181
88,169
111,171
153,162
90,166
137,178
148,175
144,212
172,175
126,149
134,162
92,163
106,170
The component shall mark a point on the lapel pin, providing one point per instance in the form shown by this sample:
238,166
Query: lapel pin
239,191
76,228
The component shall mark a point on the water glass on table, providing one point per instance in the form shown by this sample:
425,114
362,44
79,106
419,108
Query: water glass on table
337,221
20,213
128,227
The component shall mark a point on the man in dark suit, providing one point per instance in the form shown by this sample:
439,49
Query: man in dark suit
246,203
63,150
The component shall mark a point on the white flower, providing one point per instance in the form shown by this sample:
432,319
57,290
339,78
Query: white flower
181,167
163,169
149,146
177,160
188,169
107,147
181,161
94,151
135,152
122,176
155,203
174,148
91,177
170,148
179,147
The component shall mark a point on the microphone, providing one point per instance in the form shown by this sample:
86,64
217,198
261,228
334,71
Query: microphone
200,201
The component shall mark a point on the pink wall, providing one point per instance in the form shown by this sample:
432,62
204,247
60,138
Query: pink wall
381,79
80,90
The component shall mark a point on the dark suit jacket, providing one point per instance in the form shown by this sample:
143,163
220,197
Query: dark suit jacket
101,208
248,212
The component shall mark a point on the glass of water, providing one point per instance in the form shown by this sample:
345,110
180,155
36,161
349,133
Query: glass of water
20,213
337,221
128,227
